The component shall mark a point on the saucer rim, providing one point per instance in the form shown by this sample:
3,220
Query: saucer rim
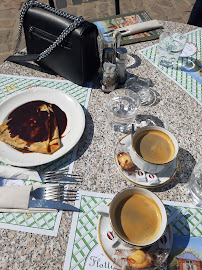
100,242
105,252
136,183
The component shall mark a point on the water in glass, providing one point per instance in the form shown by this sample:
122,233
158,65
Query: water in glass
122,107
170,47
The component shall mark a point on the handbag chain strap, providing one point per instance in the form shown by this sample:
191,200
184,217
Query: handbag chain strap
76,22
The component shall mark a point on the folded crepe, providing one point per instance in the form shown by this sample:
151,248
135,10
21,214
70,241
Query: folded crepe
32,128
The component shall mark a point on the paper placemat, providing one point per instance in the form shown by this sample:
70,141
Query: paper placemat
41,223
190,82
84,252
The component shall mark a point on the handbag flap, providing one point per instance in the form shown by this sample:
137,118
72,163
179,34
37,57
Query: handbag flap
54,24
75,58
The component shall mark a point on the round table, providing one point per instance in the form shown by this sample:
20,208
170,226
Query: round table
176,111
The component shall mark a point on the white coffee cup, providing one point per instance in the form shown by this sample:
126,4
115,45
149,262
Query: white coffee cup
147,166
125,195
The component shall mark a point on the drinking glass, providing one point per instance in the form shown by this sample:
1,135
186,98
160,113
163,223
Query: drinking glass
122,106
141,86
195,184
170,47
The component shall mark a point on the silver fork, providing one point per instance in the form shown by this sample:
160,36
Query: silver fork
56,193
61,176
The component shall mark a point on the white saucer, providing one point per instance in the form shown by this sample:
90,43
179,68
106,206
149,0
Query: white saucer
163,177
108,250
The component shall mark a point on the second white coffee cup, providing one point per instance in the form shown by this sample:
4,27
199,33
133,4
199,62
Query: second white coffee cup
116,206
149,136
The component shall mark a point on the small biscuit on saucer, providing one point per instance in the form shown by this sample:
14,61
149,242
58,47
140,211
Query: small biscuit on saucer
139,260
125,161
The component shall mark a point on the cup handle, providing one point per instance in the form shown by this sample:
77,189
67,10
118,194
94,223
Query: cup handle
109,235
103,210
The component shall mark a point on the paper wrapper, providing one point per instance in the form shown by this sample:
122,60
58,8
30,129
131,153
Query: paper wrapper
158,258
158,253
15,199
10,172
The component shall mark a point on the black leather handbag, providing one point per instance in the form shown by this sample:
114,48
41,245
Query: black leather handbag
61,42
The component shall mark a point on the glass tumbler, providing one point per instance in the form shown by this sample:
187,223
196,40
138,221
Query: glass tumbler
170,47
195,184
122,106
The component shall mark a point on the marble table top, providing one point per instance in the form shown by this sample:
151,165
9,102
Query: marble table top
176,111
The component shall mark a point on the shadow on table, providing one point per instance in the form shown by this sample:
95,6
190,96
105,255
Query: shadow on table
1,181
37,68
186,163
181,244
134,83
150,120
156,98
137,61
181,234
191,65
87,136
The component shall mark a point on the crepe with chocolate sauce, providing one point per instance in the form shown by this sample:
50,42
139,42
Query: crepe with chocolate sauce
33,127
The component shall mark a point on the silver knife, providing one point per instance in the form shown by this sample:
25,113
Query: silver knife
52,205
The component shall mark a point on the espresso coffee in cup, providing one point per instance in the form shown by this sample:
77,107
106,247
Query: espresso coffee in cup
154,146
153,149
137,216
140,219
144,215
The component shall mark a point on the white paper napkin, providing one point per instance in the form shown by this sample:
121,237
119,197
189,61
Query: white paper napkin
139,27
15,199
146,26
10,172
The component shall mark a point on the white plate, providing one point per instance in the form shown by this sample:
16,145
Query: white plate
108,250
164,177
71,135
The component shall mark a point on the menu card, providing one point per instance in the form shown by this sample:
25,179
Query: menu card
40,223
118,21
84,251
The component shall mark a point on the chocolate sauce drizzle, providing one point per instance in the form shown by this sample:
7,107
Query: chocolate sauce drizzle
33,125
